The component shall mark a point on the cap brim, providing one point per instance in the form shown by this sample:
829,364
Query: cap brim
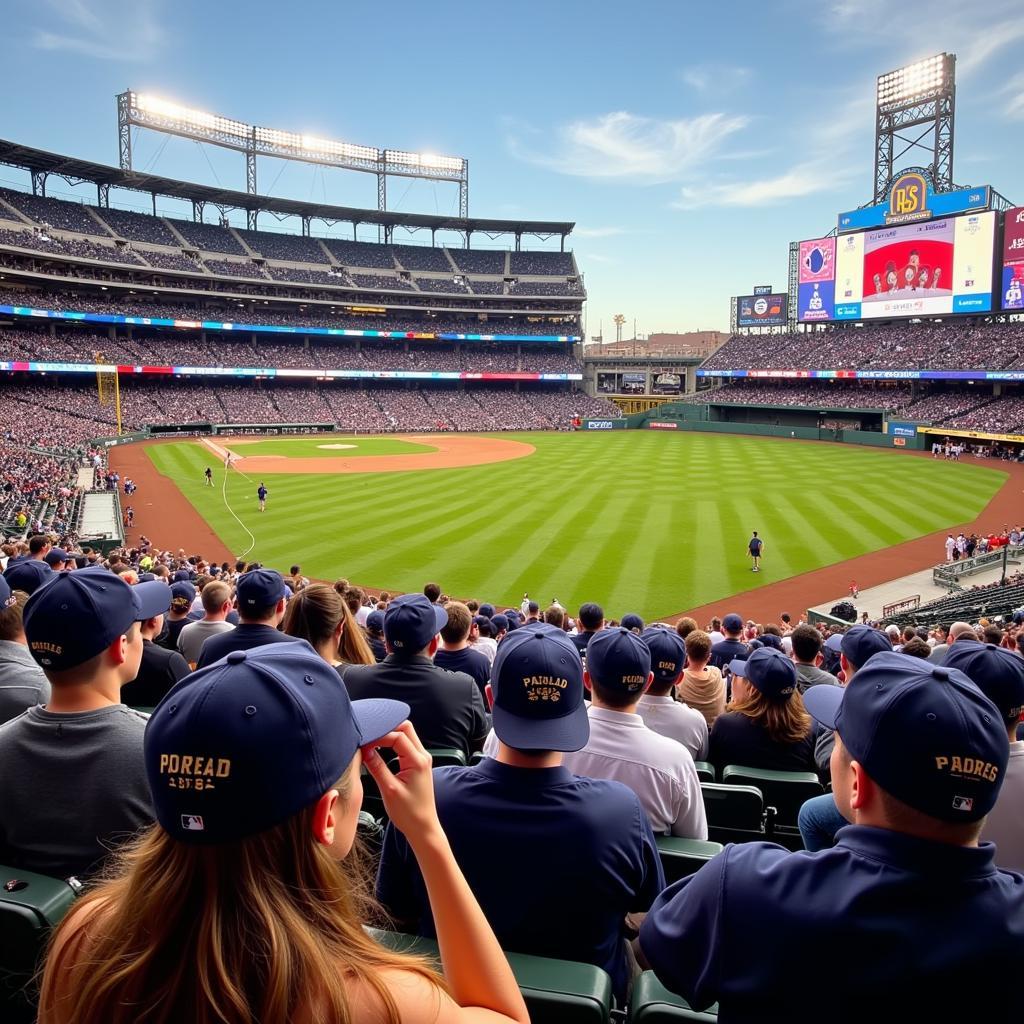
835,642
440,619
152,598
568,733
738,667
378,716
823,702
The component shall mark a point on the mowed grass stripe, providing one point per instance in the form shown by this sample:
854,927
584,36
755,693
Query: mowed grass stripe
634,520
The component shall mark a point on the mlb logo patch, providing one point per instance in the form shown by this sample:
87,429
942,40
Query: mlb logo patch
192,823
963,803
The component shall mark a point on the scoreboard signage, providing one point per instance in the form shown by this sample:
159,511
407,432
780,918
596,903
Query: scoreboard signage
816,288
1012,285
911,199
761,310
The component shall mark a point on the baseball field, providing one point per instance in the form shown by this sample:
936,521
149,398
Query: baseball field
639,521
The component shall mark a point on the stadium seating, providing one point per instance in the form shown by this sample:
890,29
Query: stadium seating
682,857
735,814
784,791
652,1003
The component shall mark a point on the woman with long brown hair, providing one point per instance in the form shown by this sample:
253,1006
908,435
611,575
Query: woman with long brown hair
241,904
317,613
765,725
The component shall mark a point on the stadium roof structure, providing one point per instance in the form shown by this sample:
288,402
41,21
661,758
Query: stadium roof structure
41,163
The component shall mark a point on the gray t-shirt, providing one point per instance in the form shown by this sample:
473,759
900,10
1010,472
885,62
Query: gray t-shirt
73,786
194,635
22,683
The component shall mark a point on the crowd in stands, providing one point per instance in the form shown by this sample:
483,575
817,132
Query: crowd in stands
39,240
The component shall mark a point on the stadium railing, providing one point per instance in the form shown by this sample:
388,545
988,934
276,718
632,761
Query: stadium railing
950,572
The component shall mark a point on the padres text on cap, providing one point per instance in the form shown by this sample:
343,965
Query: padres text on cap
619,659
668,653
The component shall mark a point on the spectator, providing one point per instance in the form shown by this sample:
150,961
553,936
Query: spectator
455,652
260,598
865,915
807,644
731,647
446,708
658,707
482,639
658,769
74,781
27,575
216,601
432,592
23,684
942,644
702,686
182,596
159,668
493,813
915,647
999,674
375,635
264,847
318,615
589,621
685,626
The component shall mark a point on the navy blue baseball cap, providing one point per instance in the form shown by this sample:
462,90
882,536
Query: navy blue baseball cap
411,622
769,671
499,622
997,672
668,653
771,640
925,733
259,589
55,555
146,577
861,642
29,574
487,610
6,597
619,659
732,623
76,615
375,621
183,592
181,576
245,743
537,685
632,621
835,643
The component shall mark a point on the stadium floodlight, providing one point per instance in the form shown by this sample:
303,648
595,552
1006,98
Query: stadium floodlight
916,82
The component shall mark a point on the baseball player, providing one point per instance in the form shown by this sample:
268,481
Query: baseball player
209,476
754,548
261,493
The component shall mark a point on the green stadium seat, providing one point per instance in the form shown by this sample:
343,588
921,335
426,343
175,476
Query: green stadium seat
145,711
477,757
444,757
736,814
785,791
652,1003
705,771
31,906
556,991
682,857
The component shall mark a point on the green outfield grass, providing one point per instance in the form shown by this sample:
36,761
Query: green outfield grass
313,447
639,521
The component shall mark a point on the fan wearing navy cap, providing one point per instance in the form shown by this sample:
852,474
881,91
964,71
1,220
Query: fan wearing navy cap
57,559
261,601
27,575
182,596
658,707
999,674
907,910
455,652
22,682
765,724
74,783
375,635
731,647
600,861
238,905
481,637
159,668
658,769
447,708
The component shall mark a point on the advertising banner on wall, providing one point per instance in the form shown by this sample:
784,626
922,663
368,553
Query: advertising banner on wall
816,283
1012,284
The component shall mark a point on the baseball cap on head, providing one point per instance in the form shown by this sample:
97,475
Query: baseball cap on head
835,643
375,621
732,623
487,610
632,621
771,640
537,685
769,671
861,642
6,597
181,576
668,653
997,672
244,744
619,660
55,555
259,590
499,622
925,733
411,622
182,594
76,615
28,575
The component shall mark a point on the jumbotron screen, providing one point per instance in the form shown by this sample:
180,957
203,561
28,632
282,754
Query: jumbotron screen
1013,259
761,310
933,268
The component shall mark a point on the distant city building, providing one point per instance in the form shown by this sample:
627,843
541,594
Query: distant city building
692,343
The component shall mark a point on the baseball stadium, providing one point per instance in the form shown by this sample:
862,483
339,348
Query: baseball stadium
395,414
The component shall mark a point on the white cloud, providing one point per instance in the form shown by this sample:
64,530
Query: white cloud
606,232
124,30
1011,97
628,147
800,180
722,77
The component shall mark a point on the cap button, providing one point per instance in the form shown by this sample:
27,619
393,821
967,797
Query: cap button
940,673
235,657
308,680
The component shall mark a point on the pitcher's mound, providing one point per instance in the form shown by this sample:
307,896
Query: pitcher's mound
335,447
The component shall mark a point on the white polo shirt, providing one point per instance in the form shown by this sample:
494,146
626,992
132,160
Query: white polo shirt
1004,825
487,646
658,769
676,720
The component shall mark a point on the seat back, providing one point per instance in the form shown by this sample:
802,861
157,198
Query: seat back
735,813
31,906
652,1003
556,991
705,771
682,857
785,791
447,756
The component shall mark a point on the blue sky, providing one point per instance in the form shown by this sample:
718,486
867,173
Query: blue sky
688,141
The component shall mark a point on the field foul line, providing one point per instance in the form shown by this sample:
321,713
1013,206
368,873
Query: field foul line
224,496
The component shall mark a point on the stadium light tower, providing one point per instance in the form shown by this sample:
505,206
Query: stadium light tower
914,114
142,110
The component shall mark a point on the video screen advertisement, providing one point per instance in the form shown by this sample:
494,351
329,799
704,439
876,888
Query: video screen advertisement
816,289
932,268
1012,287
761,311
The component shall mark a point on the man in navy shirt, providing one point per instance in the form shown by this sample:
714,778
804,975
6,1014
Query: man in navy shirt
455,652
907,910
732,647
589,621
556,861
260,598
